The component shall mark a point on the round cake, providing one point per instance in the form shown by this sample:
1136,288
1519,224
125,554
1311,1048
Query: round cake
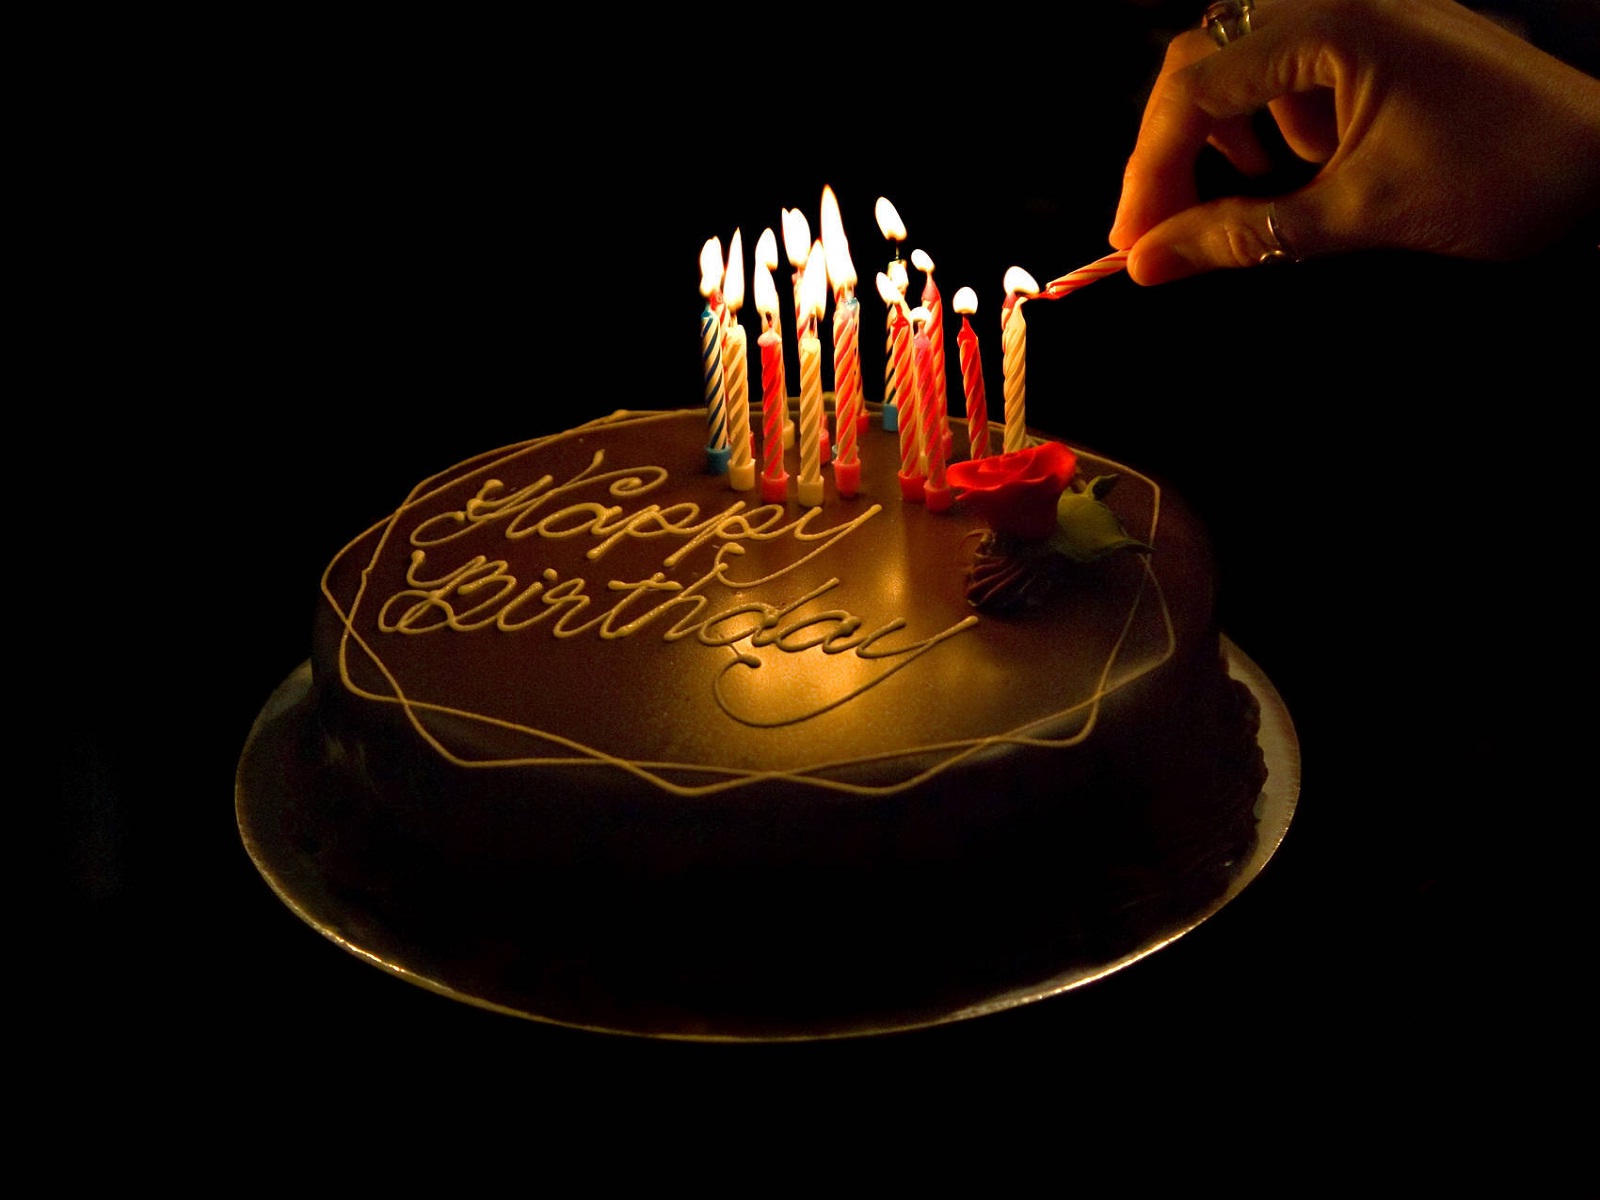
581,706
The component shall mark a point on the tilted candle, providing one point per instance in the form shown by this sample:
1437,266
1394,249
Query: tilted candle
1063,285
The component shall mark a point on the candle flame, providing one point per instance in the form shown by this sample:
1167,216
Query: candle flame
965,301
835,246
898,276
832,225
889,221
920,318
710,266
733,281
767,249
796,237
766,292
814,283
890,294
1019,282
921,261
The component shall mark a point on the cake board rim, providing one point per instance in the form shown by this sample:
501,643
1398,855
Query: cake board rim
271,778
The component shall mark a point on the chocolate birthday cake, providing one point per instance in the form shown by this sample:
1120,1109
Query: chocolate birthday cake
580,695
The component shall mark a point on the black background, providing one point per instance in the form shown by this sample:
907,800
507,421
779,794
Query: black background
364,254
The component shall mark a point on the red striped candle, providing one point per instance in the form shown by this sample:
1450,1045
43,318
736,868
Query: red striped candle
965,303
774,397
935,491
934,303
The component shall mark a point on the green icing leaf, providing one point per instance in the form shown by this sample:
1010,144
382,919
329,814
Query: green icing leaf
1100,486
1086,529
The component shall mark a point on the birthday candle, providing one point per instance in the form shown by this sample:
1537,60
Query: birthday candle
736,372
889,222
935,492
894,232
797,245
1014,347
774,399
767,255
1073,280
966,303
808,487
932,301
711,358
903,389
848,407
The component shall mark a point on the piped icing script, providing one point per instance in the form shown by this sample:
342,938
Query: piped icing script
699,590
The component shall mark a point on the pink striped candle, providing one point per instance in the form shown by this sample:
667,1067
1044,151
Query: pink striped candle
910,430
767,255
936,492
966,303
808,487
934,303
1064,285
848,407
847,396
774,398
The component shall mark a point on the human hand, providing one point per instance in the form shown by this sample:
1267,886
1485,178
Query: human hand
1436,130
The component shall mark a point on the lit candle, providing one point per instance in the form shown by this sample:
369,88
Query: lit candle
711,358
935,492
818,259
767,255
847,405
774,400
901,385
797,245
894,232
808,487
736,372
1019,286
966,303
889,222
932,301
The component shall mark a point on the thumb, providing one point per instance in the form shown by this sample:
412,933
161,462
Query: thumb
1234,232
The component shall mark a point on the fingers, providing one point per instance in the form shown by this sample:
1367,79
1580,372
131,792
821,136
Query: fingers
1159,179
1225,233
1207,95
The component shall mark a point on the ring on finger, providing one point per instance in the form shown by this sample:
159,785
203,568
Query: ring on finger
1227,20
1279,250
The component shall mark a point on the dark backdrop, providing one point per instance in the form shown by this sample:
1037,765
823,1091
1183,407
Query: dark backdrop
366,255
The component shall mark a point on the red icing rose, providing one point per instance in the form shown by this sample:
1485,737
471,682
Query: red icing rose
1016,493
